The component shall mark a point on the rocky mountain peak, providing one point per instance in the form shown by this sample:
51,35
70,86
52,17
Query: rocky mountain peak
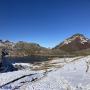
74,43
77,38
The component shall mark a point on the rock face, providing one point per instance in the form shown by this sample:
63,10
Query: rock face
6,66
74,43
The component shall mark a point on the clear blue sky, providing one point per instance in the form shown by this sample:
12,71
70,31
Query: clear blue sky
47,22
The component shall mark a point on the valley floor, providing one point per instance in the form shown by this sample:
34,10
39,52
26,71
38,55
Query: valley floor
62,74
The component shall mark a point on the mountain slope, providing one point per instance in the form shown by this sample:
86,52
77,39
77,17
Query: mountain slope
76,42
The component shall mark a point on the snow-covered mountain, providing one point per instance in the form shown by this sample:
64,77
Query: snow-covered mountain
74,43
77,37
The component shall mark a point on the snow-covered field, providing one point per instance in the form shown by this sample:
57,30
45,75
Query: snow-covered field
57,74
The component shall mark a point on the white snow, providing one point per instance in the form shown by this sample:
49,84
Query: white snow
82,39
74,75
23,64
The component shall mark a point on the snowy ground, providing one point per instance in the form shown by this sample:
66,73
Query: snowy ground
57,74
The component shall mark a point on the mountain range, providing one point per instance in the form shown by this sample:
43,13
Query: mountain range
77,44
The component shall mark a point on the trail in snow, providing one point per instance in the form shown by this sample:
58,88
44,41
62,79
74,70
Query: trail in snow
72,76
15,80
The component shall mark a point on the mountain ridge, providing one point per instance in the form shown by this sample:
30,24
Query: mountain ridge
75,43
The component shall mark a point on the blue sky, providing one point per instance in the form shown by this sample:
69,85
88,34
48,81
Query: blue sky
47,22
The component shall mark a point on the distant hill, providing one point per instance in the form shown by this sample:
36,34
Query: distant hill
5,43
24,48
